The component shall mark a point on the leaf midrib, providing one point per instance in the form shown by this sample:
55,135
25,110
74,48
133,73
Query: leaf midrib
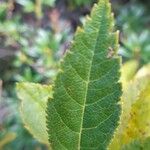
87,87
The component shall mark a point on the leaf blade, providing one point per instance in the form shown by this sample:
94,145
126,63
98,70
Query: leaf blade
89,76
33,105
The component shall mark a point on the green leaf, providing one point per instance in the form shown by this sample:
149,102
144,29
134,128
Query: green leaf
84,111
33,105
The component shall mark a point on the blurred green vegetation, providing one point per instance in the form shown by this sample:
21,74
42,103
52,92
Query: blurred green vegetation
35,34
134,20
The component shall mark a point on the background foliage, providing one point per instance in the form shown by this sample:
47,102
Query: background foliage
35,34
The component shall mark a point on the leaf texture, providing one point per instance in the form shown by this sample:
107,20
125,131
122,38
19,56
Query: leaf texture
33,106
84,111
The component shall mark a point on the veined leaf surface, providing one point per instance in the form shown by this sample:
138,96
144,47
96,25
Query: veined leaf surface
33,108
84,111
